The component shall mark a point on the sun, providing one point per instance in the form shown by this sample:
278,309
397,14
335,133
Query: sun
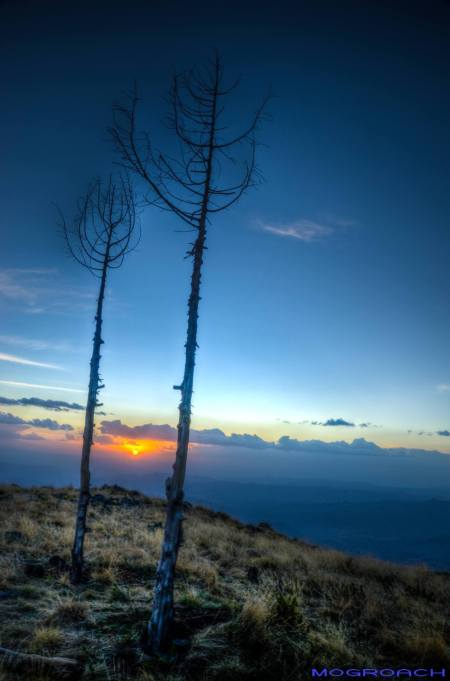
137,447
133,448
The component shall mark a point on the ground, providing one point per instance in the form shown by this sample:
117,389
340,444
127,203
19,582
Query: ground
251,604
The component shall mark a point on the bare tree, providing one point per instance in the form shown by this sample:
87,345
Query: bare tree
189,187
102,233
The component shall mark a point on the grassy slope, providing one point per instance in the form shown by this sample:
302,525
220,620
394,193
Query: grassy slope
255,604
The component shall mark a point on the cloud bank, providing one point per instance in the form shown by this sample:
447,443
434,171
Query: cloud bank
216,437
52,405
8,419
209,436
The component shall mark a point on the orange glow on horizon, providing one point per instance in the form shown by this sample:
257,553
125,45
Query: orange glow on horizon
137,447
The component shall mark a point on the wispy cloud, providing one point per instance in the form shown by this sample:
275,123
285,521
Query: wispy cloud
424,433
443,388
35,344
21,284
333,422
35,292
429,433
302,230
22,384
4,357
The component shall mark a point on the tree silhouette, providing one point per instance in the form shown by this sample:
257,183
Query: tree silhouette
102,233
189,187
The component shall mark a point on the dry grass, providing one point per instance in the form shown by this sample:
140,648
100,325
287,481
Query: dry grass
254,604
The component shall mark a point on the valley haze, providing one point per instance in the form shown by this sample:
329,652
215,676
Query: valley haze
393,504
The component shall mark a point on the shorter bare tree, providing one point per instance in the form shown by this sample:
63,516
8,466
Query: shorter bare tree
104,230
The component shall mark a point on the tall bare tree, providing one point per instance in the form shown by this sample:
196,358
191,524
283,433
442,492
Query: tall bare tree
189,187
102,233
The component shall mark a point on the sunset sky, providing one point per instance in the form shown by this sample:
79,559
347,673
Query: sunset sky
325,310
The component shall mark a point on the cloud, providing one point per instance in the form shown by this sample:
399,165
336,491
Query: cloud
104,439
39,345
52,405
341,422
443,388
31,436
4,357
358,445
34,291
146,431
338,422
110,430
444,433
14,287
50,424
302,230
21,384
209,436
216,437
11,420
424,433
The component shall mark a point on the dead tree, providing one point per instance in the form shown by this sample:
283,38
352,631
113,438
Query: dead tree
103,232
189,187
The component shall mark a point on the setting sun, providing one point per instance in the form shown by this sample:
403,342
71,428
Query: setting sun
135,449
147,447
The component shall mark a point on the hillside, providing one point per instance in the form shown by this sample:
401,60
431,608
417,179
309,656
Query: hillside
251,603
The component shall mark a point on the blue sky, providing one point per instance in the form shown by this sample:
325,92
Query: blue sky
325,291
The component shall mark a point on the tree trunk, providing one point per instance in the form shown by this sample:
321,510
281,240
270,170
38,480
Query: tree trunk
162,612
94,386
160,624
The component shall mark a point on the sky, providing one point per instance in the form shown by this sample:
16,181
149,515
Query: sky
324,312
